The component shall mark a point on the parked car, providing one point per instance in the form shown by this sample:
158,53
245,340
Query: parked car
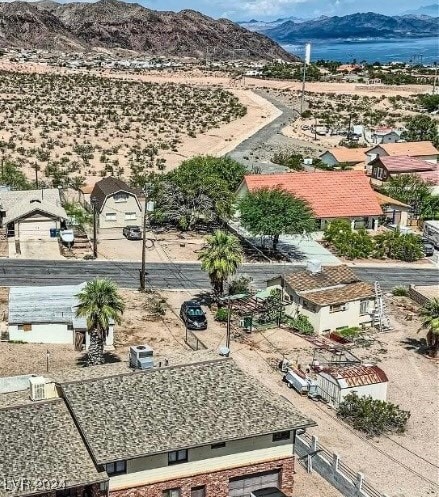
428,247
132,233
193,315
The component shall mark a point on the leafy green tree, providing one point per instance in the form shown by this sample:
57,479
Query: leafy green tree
100,303
410,189
371,416
274,212
288,159
220,258
201,190
78,215
421,127
12,176
396,245
429,313
430,102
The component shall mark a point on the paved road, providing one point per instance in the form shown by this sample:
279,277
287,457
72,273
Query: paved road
178,276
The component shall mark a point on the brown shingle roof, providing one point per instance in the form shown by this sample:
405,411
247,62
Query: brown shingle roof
109,186
329,276
351,155
346,293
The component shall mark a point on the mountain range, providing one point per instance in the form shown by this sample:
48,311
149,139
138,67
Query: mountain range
113,24
353,26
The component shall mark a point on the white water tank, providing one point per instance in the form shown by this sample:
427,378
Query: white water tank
314,266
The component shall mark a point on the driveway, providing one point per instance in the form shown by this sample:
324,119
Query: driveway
35,249
298,248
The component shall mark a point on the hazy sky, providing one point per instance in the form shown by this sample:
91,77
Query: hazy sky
238,10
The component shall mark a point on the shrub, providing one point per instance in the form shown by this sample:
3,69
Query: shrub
348,243
306,114
156,305
301,324
373,417
350,333
395,245
240,285
221,314
400,291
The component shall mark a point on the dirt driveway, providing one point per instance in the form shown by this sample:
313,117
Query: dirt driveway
36,249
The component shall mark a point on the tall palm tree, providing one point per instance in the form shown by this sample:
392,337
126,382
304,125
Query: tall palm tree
430,321
100,304
220,258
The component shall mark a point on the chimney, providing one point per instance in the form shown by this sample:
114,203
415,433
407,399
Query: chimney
314,266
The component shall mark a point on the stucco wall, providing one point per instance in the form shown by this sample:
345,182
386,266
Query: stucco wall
206,452
120,209
42,333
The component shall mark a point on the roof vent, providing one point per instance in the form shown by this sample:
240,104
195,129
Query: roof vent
35,200
314,266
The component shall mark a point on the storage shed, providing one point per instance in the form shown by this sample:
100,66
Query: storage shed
335,382
48,315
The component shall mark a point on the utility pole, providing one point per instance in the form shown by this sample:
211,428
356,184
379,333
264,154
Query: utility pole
95,230
435,78
305,63
145,223
229,319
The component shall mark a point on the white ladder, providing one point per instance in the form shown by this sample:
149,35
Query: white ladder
380,317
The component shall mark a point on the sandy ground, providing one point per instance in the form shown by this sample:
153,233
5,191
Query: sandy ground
35,249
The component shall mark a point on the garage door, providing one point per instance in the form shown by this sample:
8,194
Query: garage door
241,487
34,230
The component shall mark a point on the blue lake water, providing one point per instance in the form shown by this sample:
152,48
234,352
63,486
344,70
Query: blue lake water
421,50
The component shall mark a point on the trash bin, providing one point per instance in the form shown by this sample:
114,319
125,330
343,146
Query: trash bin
247,322
53,232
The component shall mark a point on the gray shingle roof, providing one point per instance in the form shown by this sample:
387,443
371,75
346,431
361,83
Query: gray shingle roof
39,442
159,410
329,276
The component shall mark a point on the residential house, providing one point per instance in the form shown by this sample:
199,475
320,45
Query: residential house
424,150
189,430
48,315
116,203
385,135
395,211
345,155
335,382
330,194
42,453
32,214
331,297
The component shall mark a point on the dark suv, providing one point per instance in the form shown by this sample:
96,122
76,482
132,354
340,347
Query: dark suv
428,247
132,232
193,316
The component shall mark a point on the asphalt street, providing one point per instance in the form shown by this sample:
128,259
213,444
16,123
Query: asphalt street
180,276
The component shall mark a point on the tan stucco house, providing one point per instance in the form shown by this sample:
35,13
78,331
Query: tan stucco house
116,203
331,297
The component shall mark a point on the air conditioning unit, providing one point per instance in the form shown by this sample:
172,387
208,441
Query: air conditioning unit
37,388
141,357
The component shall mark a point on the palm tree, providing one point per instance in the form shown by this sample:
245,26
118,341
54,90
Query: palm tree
220,258
430,321
100,304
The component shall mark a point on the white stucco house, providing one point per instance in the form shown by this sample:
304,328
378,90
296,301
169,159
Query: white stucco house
331,297
336,382
48,315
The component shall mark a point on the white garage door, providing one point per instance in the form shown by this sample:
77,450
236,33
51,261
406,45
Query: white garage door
33,230
241,487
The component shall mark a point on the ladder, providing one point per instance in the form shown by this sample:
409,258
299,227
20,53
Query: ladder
380,317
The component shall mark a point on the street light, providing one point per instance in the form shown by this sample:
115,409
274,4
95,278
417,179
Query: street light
95,240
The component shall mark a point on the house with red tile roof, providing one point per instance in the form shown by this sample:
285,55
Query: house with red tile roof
423,150
386,167
330,194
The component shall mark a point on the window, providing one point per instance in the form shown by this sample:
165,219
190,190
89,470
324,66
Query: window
338,308
364,307
110,216
172,492
218,445
281,435
177,456
379,173
308,306
120,197
25,327
116,468
130,216
198,491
